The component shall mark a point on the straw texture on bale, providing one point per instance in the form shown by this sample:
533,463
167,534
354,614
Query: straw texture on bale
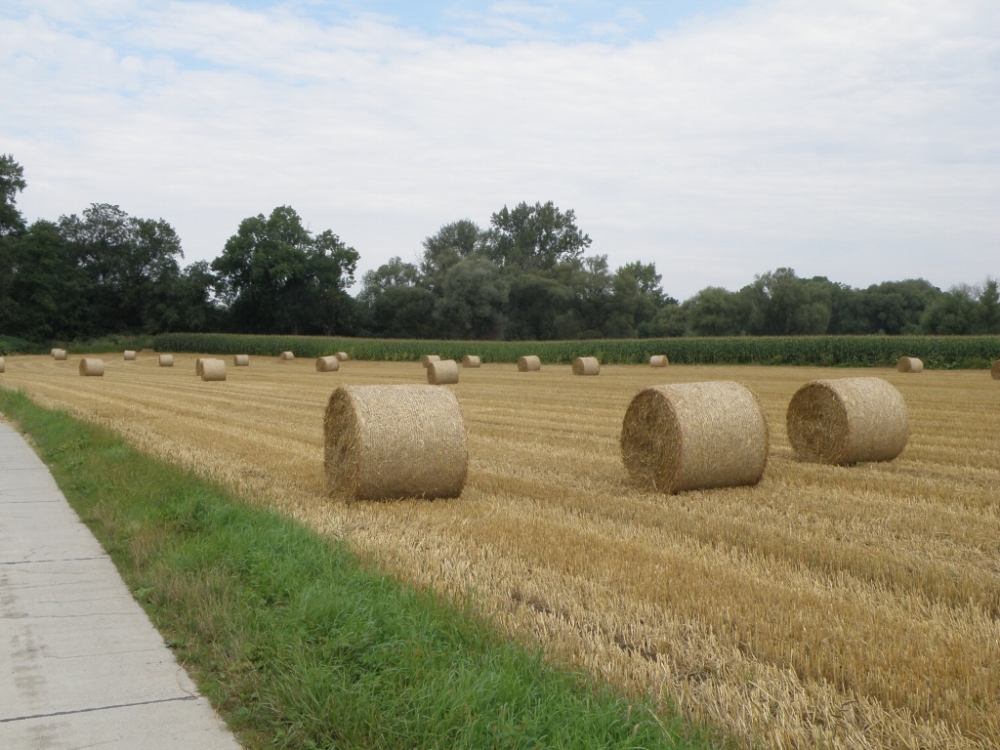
241,360
129,355
586,366
472,360
658,360
2,366
910,364
59,354
428,358
166,360
442,372
91,366
848,420
342,356
199,365
213,370
287,355
694,436
394,441
529,363
327,364
995,370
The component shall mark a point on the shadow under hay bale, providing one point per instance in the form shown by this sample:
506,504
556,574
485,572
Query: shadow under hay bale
694,436
658,360
287,356
848,420
241,360
471,360
166,360
394,441
327,364
59,354
129,355
213,370
428,358
586,366
342,356
529,363
92,367
995,370
442,372
909,364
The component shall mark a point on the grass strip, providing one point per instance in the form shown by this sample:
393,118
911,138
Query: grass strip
296,642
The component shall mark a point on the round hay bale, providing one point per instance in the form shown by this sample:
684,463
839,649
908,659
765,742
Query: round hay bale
166,360
129,355
848,420
442,372
287,355
241,360
342,356
327,364
213,370
529,363
53,351
472,360
658,360
586,366
60,354
694,436
394,441
2,366
995,370
428,358
91,367
199,365
909,364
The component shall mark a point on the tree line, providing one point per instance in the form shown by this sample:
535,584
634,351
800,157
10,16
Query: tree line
527,276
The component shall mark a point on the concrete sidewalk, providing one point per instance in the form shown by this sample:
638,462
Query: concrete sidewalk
80,663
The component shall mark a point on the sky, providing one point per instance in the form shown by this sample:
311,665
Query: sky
720,139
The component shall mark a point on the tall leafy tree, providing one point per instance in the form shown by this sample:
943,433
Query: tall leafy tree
534,237
473,297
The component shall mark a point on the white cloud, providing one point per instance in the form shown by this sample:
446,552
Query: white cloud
856,140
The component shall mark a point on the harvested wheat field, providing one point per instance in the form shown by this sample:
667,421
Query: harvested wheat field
847,607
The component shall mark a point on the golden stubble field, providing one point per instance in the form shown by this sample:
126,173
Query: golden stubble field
840,607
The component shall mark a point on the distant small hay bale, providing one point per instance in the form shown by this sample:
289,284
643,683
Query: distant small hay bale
848,420
129,355
199,365
287,355
428,358
529,363
59,354
92,367
694,436
342,356
327,364
2,366
995,370
658,360
241,360
472,360
394,441
586,366
166,360
909,364
213,370
442,372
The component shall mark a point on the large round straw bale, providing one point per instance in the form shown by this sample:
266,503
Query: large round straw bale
909,364
327,364
287,355
694,436
166,360
529,363
342,356
428,358
91,366
53,351
241,360
472,360
129,355
658,360
848,420
995,370
213,369
586,366
59,354
442,372
2,366
393,441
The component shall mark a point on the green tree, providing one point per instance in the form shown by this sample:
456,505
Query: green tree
534,237
715,311
782,304
897,307
451,244
987,316
11,224
473,297
953,313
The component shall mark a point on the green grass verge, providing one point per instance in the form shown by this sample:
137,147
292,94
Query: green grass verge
297,643
937,352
